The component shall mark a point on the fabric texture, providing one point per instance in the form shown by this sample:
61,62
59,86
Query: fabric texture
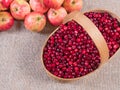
20,60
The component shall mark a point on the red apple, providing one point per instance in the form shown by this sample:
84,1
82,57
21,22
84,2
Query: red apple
56,16
38,6
6,3
72,5
19,9
6,21
53,3
35,21
2,7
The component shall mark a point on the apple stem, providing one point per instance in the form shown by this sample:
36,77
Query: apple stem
3,19
54,13
38,18
16,9
73,2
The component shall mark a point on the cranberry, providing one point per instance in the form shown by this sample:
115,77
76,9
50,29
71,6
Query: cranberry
71,53
109,27
69,48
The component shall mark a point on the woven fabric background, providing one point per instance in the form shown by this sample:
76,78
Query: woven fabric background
21,68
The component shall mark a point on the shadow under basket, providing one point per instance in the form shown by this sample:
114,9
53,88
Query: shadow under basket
83,43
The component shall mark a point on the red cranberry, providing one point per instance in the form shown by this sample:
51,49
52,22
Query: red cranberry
71,53
76,69
69,48
109,27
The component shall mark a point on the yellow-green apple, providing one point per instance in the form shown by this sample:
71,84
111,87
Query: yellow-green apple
73,5
6,21
38,6
53,3
19,9
35,21
56,16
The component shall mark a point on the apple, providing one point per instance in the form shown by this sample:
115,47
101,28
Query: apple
56,16
72,5
35,21
6,3
53,3
38,6
6,21
2,7
19,9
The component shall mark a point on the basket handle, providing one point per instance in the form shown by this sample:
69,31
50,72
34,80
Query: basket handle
92,31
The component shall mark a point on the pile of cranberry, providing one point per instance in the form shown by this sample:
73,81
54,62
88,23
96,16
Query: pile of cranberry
71,53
